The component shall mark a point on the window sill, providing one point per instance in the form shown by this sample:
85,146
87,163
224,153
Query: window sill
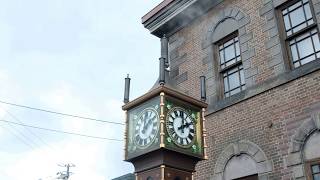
286,77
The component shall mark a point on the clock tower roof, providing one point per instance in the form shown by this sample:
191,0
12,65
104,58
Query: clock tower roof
168,91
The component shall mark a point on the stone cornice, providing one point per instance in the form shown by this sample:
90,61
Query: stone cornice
175,15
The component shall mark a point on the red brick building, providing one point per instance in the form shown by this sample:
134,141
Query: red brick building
262,68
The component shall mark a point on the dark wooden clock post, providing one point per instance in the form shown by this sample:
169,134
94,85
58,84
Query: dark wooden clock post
165,131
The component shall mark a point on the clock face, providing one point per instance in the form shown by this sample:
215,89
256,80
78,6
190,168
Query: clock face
180,127
146,128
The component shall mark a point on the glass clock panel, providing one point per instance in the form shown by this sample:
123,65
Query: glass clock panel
183,127
143,128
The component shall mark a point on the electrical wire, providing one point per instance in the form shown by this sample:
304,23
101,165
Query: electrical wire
19,121
59,131
18,137
60,113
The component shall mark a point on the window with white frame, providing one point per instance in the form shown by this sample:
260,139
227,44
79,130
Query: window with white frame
231,68
301,32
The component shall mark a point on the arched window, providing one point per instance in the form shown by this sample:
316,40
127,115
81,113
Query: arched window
242,160
311,153
304,151
241,167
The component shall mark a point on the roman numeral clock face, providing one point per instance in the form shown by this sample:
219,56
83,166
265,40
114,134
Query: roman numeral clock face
180,127
146,128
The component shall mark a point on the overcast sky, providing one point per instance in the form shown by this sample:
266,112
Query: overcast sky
70,56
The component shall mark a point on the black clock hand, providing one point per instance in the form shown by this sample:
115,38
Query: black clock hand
144,122
147,124
184,126
188,124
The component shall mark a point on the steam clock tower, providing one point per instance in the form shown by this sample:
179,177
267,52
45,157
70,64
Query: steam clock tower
165,129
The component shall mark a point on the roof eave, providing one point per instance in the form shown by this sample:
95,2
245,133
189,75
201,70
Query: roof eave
175,14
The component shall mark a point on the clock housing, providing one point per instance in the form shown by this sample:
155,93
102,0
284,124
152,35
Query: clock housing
164,120
143,128
183,127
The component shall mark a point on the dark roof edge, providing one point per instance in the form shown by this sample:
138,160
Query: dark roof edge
170,17
156,9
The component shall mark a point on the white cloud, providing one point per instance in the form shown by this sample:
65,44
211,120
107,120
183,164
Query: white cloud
62,98
10,89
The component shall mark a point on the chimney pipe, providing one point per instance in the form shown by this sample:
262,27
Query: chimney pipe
162,71
126,89
164,50
203,88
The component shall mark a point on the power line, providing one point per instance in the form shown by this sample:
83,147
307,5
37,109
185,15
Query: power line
59,131
21,136
18,137
60,113
29,141
17,119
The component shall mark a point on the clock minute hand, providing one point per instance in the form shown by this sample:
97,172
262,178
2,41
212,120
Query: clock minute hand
182,125
147,124
185,125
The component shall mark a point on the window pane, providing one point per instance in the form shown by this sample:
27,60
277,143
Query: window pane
307,11
308,59
305,47
286,22
226,87
234,80
303,36
231,62
316,42
298,28
221,57
316,177
237,49
297,17
310,22
315,169
294,53
295,6
229,53
228,43
242,77
235,91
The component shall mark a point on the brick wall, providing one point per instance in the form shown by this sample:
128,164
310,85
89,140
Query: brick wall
268,118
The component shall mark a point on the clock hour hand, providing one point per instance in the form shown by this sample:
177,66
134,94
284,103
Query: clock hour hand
147,124
182,125
188,124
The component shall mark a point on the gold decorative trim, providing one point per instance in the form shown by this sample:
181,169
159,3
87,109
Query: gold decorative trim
168,91
162,171
162,134
126,135
204,134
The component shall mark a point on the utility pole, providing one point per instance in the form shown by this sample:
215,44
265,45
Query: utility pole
65,174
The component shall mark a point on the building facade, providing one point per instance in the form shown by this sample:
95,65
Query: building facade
262,68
